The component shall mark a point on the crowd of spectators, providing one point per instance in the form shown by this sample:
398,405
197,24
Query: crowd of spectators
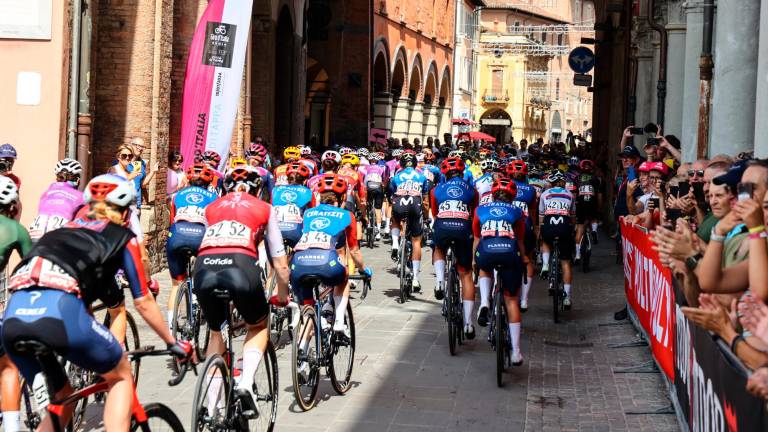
707,220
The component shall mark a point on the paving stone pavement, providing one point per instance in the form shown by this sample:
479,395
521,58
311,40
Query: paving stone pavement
404,378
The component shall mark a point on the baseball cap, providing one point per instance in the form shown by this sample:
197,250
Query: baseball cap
658,166
7,151
733,176
629,151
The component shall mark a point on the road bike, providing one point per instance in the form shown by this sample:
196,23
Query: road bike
498,332
30,410
318,346
218,405
366,285
188,321
556,289
281,319
150,417
370,226
452,309
404,267
585,247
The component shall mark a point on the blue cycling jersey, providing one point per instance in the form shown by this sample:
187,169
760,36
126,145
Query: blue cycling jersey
525,199
408,182
454,199
327,227
289,202
497,219
189,204
483,186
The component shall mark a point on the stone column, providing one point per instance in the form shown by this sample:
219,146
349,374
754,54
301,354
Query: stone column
735,77
761,105
656,44
676,37
693,39
400,113
430,122
645,91
382,112
416,126
443,121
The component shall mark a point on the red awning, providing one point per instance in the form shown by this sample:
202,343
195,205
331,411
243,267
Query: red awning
477,136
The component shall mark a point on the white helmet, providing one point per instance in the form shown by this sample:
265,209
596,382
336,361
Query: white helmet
8,191
345,151
489,164
305,150
396,153
332,155
110,188
420,157
68,165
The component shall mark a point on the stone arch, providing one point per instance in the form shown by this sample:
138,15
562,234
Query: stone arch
381,74
399,72
445,87
430,85
416,78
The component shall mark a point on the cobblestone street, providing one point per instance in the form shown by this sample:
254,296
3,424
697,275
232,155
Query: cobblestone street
404,378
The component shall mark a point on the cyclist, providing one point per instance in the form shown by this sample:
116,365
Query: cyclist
409,193
66,271
393,166
588,202
228,261
306,158
255,157
526,199
556,211
290,154
485,181
290,202
499,230
213,160
453,202
327,231
15,238
61,201
375,180
187,226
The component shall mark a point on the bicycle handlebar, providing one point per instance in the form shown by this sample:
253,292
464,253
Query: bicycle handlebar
150,351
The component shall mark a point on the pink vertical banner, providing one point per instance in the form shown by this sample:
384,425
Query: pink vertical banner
213,79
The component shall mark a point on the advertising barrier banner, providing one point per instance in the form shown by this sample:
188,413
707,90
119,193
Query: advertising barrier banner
213,79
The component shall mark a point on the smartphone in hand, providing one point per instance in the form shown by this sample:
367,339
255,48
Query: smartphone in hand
684,189
631,174
744,191
698,192
674,191
637,130
653,203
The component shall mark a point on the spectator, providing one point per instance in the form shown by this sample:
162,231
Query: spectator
704,216
176,178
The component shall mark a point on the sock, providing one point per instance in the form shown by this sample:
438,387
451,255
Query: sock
594,226
386,224
11,421
251,359
567,288
578,251
213,393
545,259
485,291
395,238
341,307
468,306
416,266
526,289
170,318
439,272
262,255
514,335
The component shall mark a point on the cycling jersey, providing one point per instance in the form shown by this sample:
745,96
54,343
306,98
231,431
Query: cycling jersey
13,237
267,180
557,206
525,200
393,166
431,172
58,205
500,229
589,187
483,186
452,204
281,175
408,182
374,176
289,203
355,184
189,204
326,229
187,227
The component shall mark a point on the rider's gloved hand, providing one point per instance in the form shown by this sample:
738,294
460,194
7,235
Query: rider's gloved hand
366,272
181,349
154,287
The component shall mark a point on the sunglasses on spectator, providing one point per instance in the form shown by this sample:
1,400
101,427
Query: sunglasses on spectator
126,156
655,178
695,173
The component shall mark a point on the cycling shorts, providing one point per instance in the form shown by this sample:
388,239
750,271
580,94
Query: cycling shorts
586,211
496,253
235,275
325,265
59,320
408,209
376,197
530,240
458,234
291,233
183,242
563,232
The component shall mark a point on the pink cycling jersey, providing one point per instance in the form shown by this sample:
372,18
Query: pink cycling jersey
394,166
58,205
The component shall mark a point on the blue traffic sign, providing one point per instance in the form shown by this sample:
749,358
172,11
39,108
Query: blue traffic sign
581,60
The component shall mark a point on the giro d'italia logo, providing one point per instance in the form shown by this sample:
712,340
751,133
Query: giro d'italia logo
453,192
498,211
320,224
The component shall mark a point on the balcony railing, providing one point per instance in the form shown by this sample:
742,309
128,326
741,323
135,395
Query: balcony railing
495,96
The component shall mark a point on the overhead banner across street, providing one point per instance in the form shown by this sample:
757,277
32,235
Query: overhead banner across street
213,79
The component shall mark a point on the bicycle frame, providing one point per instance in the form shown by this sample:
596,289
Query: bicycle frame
56,408
320,343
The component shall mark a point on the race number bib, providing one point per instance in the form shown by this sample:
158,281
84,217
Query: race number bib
522,205
288,213
500,228
40,271
410,188
486,198
558,208
586,191
192,214
314,240
227,234
453,209
44,223
373,177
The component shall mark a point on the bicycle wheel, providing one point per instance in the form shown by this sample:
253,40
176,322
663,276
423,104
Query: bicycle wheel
32,411
586,251
182,324
555,287
305,360
265,389
202,335
131,342
212,396
343,355
79,378
498,305
450,312
159,418
403,271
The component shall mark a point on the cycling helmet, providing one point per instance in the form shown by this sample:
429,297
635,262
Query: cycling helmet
456,153
7,151
345,151
586,165
9,193
68,165
516,167
110,188
534,173
243,176
351,159
305,150
452,164
573,161
420,157
504,184
429,156
211,156
556,176
236,162
332,183
408,159
373,157
291,153
256,150
396,153
489,164
298,168
362,152
200,171
331,155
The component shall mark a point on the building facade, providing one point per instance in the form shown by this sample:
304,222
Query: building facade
412,78
465,59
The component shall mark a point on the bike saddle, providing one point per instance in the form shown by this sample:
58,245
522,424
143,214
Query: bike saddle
32,347
311,280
